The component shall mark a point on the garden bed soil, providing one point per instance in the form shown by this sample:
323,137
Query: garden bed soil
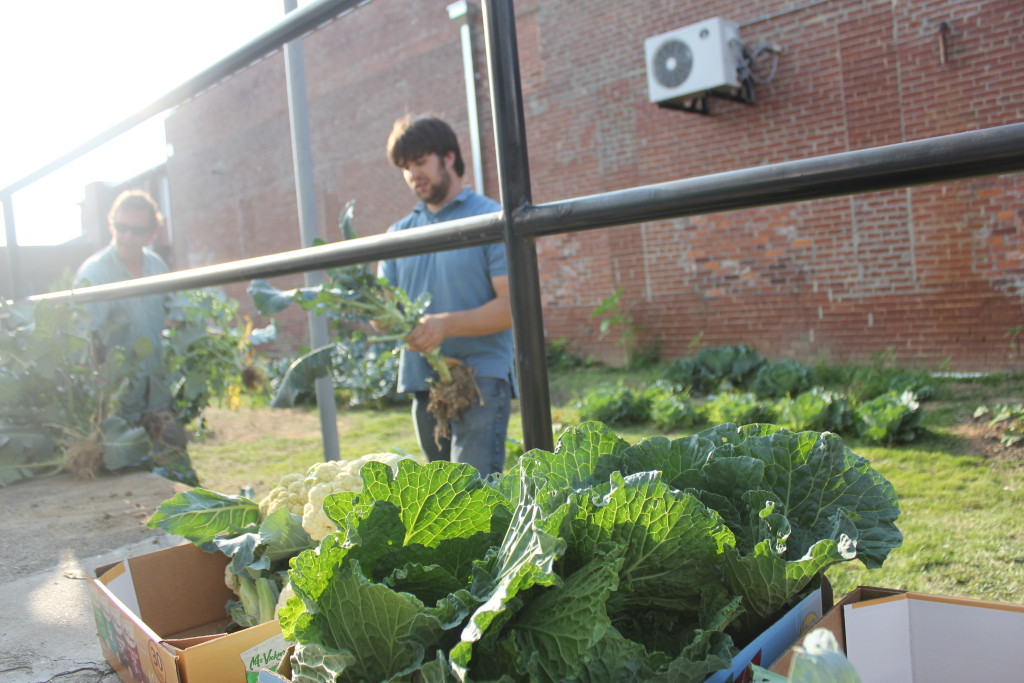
985,441
977,436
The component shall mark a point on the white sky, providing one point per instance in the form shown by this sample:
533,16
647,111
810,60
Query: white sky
65,66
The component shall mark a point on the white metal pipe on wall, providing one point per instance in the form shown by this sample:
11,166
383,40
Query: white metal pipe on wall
459,11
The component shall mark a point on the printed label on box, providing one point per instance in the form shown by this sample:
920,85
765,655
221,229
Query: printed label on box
770,645
265,655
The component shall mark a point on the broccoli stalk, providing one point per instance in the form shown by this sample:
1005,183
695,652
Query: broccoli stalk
355,294
257,599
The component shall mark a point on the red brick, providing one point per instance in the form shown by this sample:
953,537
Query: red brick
939,267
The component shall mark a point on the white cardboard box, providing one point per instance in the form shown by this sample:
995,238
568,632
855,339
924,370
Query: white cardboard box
918,638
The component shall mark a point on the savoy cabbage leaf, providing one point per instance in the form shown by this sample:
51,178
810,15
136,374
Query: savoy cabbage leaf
601,561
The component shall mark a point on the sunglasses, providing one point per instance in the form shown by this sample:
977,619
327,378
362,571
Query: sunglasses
137,230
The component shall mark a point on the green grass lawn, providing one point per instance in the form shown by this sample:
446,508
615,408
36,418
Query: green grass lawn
961,513
961,522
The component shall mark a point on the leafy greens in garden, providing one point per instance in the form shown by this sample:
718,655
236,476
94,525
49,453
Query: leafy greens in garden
601,561
59,409
354,294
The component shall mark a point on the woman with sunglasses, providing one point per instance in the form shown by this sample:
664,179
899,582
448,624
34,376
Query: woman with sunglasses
134,219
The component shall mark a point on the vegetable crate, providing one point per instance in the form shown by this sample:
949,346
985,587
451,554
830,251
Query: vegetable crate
895,635
161,617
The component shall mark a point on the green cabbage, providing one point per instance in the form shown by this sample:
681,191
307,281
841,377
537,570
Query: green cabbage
602,561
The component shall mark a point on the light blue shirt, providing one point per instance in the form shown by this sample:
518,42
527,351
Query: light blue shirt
457,280
121,322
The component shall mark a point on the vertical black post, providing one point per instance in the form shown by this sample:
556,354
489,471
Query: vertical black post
13,257
514,181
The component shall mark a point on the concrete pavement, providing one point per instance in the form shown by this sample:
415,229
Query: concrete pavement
54,532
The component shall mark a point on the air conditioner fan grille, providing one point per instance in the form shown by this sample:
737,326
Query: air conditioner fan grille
672,62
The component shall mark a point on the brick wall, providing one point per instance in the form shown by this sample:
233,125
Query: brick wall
933,272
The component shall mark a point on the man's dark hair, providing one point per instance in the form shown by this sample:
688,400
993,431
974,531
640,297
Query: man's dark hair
134,200
414,136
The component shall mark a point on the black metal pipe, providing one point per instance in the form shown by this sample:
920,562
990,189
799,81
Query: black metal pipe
987,152
953,157
465,232
514,181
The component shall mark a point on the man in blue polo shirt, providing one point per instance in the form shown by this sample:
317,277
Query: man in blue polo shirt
469,315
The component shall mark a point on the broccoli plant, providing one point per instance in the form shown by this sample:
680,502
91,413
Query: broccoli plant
354,294
58,407
210,354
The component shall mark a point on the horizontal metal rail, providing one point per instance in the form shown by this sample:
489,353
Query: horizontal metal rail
465,232
959,156
294,25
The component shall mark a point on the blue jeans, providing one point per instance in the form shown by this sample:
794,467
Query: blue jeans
477,435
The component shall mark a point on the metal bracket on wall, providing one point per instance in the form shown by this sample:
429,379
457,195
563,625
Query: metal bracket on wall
701,103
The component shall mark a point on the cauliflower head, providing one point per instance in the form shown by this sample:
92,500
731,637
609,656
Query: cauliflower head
345,478
290,492
304,494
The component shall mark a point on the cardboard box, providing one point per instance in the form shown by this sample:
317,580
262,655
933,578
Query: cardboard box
918,638
777,639
161,619
833,621
898,636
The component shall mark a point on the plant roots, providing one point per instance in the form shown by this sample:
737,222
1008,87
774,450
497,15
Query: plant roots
447,401
85,458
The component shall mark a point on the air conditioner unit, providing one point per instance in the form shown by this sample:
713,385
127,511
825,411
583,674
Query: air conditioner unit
693,60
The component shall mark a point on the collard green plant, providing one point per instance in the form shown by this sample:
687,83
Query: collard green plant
781,378
891,418
600,561
735,364
688,375
52,389
671,408
613,404
741,408
818,410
